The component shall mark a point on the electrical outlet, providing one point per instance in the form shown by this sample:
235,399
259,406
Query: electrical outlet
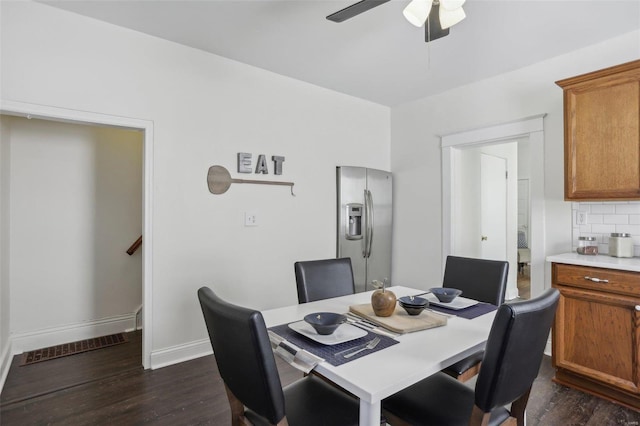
250,219
582,218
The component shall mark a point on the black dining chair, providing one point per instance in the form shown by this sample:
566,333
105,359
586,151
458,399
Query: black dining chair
482,280
511,362
247,366
322,279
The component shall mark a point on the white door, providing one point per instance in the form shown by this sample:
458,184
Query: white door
493,207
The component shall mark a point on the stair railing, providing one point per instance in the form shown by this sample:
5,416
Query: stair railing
135,246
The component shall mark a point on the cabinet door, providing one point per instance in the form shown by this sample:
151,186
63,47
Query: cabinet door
602,134
597,335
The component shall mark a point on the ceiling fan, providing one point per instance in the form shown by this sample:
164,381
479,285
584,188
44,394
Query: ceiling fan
437,16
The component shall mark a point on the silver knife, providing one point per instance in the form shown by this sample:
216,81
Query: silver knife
374,329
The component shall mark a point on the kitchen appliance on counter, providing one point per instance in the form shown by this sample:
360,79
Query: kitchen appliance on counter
620,245
364,223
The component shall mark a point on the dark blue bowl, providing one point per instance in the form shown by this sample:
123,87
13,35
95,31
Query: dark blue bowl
413,301
325,322
444,294
413,309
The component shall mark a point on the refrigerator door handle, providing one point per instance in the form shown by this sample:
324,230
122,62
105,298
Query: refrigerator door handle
365,239
370,221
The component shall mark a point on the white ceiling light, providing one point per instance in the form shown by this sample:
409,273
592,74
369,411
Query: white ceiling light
451,12
449,18
417,11
436,16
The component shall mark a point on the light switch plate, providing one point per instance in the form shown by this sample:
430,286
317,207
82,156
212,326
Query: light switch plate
582,218
250,219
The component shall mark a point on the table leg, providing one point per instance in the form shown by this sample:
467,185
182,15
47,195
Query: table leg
370,413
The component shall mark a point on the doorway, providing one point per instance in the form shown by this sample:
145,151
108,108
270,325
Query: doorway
531,129
484,208
524,252
146,128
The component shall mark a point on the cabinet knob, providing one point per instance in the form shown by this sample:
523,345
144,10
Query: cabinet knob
596,280
637,307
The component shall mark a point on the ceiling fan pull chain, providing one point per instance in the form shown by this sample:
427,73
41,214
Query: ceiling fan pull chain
428,24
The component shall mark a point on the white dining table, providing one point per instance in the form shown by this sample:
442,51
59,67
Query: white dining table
382,373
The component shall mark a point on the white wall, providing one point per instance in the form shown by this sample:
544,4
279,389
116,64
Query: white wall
205,109
75,207
512,96
524,159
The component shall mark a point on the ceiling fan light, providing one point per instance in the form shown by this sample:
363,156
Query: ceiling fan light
449,18
451,4
417,11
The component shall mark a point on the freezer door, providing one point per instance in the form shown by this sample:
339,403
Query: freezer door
379,186
351,184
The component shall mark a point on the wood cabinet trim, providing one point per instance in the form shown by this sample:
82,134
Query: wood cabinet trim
631,66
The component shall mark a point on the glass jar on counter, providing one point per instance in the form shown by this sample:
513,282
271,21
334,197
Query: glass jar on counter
620,245
587,245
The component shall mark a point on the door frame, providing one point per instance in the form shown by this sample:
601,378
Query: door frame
531,127
46,112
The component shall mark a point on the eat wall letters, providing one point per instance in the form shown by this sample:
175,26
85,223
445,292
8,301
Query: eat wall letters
244,164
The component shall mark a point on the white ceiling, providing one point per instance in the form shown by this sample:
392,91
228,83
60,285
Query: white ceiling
377,55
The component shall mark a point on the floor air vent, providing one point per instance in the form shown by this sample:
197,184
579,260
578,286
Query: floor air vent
73,348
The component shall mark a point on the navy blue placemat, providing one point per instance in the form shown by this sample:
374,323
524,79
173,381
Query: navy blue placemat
469,313
328,352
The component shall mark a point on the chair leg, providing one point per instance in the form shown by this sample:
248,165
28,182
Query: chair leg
479,417
394,420
518,408
237,409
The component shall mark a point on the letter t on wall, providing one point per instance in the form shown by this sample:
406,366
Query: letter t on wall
277,164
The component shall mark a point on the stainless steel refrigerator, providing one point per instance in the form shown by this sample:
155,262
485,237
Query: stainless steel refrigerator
365,222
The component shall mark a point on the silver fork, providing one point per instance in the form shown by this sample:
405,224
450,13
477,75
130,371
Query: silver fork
372,344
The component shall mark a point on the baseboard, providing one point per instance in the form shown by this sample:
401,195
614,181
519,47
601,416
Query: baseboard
180,353
547,348
511,294
71,333
5,363
139,318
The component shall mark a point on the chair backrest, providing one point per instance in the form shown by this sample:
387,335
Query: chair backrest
479,279
514,350
244,356
322,279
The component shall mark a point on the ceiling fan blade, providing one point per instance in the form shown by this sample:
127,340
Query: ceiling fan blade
354,9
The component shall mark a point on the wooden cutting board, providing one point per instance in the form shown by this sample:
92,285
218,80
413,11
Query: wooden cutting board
401,321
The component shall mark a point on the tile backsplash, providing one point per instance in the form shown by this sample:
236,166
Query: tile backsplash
602,219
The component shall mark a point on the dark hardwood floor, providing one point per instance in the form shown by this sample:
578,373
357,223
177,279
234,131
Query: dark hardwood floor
109,387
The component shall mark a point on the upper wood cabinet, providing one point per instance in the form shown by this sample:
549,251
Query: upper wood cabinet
602,134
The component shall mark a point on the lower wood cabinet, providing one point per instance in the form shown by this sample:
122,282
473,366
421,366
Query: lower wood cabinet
596,334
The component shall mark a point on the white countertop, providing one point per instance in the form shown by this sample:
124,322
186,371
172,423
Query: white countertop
598,261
